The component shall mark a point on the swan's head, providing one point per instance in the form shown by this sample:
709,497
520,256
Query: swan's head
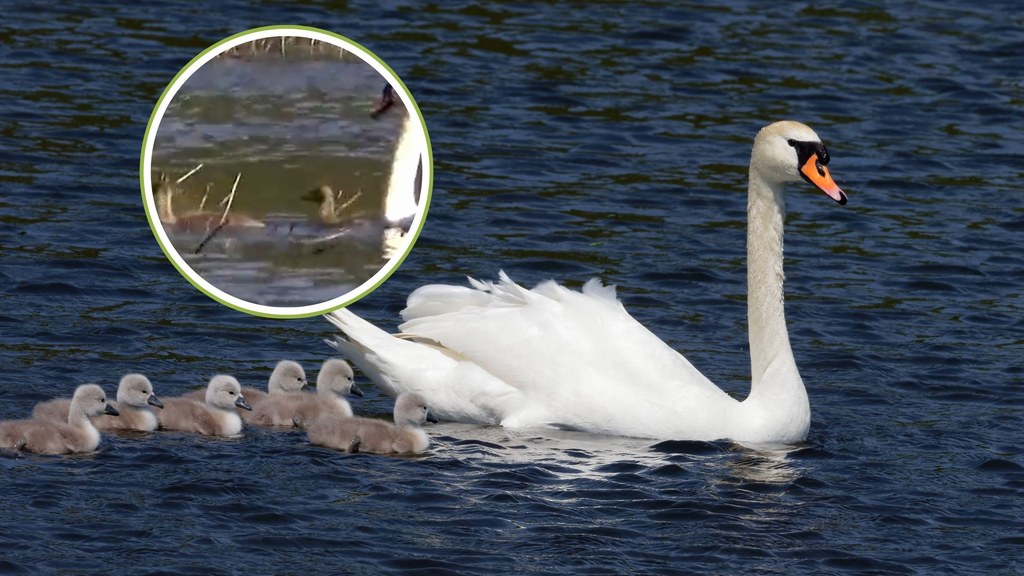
789,151
321,194
388,99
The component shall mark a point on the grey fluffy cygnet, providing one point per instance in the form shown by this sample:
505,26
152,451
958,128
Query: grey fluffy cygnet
288,377
135,399
218,416
334,380
371,435
76,434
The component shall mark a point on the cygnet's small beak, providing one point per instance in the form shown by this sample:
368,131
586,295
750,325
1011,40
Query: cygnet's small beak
431,418
108,409
241,402
355,391
154,401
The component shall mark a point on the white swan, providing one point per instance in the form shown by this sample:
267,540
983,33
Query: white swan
502,354
402,197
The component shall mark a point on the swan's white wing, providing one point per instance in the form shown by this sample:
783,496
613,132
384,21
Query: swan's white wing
578,357
456,390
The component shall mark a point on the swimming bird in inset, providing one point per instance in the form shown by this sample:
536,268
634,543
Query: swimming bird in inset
405,179
194,221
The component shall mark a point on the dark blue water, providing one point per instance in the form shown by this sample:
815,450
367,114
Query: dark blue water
569,141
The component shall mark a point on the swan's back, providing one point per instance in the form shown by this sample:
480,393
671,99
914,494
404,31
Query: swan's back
565,336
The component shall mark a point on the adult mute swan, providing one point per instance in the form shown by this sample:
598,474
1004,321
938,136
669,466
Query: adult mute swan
406,167
497,353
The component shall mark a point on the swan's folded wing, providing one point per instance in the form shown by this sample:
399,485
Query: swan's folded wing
556,342
457,390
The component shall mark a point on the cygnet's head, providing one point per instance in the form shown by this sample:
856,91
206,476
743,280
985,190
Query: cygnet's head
91,400
336,376
225,392
411,409
135,390
286,378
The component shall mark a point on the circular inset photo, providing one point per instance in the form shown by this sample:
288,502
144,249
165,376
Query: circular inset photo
286,171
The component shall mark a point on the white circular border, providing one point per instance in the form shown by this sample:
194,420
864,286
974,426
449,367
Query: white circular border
209,289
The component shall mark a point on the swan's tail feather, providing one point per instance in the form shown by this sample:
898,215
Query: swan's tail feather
367,346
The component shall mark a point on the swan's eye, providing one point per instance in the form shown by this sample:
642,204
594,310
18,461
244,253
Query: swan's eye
823,156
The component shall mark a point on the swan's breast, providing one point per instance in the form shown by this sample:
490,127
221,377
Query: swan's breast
230,423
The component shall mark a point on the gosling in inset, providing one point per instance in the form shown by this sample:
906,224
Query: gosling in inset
193,221
334,380
371,435
135,399
218,416
77,434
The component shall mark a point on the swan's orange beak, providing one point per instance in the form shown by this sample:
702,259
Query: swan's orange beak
816,173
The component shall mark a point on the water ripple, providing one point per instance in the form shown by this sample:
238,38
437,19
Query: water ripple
573,143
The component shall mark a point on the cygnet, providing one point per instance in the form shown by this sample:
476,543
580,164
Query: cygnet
377,436
218,416
334,380
76,434
135,399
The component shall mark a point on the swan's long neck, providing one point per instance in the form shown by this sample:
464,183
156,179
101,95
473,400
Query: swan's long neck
775,380
400,202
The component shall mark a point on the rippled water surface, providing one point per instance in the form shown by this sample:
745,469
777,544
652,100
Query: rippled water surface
608,141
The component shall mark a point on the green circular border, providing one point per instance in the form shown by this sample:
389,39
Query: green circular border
425,202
